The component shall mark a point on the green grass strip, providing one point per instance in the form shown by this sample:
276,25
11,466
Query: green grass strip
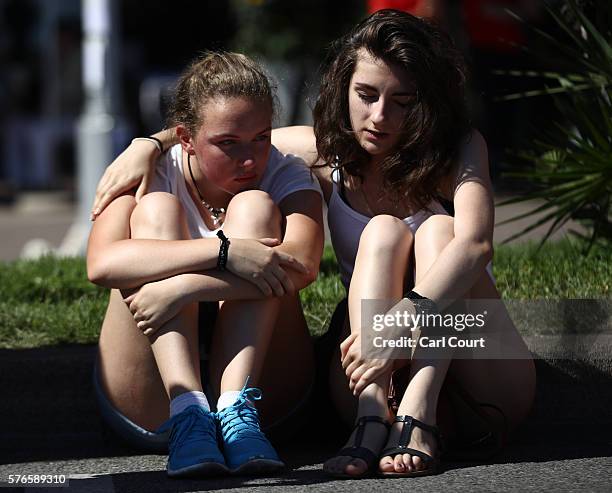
49,301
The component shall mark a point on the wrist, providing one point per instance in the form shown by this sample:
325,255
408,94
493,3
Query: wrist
183,288
422,303
223,251
153,141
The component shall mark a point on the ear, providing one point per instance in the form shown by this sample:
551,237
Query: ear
185,138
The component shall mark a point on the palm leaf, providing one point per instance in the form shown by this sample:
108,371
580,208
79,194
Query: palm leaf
571,165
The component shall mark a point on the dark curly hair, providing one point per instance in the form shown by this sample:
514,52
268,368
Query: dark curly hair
434,126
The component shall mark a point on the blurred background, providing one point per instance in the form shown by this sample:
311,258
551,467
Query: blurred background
80,78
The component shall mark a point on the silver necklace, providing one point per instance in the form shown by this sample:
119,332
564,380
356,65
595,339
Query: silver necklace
217,213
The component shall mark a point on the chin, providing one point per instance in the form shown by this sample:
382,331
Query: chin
373,149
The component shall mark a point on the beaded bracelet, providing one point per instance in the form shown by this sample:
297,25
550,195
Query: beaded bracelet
223,249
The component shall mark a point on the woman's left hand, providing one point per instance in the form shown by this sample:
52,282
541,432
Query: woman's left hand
155,303
360,372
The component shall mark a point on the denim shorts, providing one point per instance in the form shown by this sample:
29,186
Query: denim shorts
148,441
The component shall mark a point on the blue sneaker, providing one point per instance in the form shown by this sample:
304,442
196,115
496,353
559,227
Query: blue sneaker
193,446
247,450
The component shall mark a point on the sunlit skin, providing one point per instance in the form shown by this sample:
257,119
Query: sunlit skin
379,97
230,151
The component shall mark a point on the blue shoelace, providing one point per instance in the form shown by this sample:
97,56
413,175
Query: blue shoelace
192,423
240,420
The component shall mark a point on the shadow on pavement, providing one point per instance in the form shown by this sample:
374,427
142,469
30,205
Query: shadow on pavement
48,402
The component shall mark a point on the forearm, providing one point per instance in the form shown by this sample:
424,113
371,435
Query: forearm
214,285
133,262
309,257
455,271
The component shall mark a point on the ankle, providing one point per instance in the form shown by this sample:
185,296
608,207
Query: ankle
423,413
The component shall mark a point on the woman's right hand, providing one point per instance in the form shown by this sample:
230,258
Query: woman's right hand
258,262
134,167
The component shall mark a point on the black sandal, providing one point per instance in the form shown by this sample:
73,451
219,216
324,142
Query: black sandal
356,451
431,463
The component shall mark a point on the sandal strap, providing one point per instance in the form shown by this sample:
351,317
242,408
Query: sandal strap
408,425
361,424
393,451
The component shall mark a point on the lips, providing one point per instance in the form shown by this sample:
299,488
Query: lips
246,178
374,135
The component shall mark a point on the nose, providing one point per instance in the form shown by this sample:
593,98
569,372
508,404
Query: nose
246,157
379,111
247,163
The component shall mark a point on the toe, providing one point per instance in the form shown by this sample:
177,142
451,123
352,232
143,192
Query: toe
398,464
407,462
355,467
419,464
386,464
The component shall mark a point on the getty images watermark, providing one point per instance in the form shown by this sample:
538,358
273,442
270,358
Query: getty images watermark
486,329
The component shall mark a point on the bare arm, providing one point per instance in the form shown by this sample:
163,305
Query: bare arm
300,141
155,303
304,236
114,260
134,168
303,240
464,258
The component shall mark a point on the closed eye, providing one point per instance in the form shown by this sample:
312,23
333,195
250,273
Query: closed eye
367,98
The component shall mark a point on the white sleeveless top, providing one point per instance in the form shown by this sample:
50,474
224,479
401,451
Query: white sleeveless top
346,226
284,175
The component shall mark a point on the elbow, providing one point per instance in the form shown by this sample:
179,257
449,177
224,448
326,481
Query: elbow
313,273
306,279
97,272
478,251
484,251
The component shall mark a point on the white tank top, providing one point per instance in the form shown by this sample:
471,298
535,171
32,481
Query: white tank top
346,226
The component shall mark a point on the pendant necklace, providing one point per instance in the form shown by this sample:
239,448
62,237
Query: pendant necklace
217,213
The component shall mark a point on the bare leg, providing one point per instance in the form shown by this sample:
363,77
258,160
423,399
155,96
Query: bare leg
380,266
508,384
243,344
139,375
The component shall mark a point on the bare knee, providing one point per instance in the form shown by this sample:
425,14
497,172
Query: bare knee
385,234
437,229
253,213
158,215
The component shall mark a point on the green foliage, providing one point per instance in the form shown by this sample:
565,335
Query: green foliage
49,301
320,298
571,166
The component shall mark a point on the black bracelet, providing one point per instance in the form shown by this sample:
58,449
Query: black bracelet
423,304
161,146
223,249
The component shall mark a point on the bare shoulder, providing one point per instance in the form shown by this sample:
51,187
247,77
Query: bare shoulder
472,163
474,153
